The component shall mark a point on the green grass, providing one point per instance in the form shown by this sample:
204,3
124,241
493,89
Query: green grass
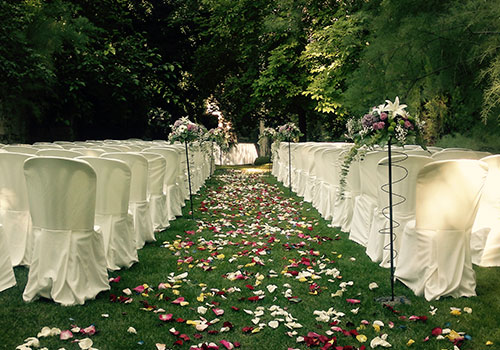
19,320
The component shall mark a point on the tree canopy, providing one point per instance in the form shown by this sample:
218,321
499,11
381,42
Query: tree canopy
118,68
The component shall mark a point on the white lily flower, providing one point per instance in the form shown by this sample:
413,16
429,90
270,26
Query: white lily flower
395,107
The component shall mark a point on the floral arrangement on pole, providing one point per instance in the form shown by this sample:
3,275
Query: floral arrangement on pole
218,135
389,122
288,132
269,133
184,130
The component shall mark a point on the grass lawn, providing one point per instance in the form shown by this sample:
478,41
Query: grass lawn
258,269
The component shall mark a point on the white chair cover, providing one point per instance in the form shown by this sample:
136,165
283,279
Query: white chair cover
46,145
447,154
89,152
434,258
107,149
7,277
157,199
170,186
111,214
485,240
328,182
313,168
138,202
404,185
14,208
274,158
21,149
344,205
58,153
68,264
365,203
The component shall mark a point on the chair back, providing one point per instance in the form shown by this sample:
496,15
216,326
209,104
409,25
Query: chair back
13,192
448,194
21,149
367,170
138,165
113,185
61,193
156,172
448,154
89,152
64,153
173,164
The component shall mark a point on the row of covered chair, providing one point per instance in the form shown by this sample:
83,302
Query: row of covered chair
361,207
51,199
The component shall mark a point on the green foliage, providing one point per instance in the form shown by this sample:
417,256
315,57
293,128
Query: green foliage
262,160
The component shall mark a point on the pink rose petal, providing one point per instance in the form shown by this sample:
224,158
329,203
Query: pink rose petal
65,335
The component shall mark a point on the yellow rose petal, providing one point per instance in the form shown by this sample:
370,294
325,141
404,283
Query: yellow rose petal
361,338
489,343
410,342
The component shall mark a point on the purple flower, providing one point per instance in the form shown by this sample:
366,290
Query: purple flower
368,120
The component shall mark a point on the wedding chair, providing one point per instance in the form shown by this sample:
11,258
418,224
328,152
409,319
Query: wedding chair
89,152
434,149
313,169
485,239
448,154
275,158
21,149
170,186
14,208
365,203
157,199
434,258
418,152
183,173
302,173
58,153
7,277
329,171
344,204
46,145
403,189
68,265
138,202
111,211
106,149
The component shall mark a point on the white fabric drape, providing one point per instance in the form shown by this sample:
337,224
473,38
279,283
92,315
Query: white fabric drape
434,259
68,264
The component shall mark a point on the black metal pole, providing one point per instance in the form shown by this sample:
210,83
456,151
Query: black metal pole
289,168
391,229
189,180
211,157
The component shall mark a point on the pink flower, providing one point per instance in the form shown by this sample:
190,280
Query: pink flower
408,125
383,116
191,127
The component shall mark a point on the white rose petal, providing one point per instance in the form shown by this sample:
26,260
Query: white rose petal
131,330
85,343
273,324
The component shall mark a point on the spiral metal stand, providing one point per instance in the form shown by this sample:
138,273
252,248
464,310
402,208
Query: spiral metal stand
388,213
189,180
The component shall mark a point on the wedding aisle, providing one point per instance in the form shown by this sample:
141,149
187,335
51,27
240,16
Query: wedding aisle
256,269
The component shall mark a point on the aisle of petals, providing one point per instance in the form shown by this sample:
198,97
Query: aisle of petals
259,270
